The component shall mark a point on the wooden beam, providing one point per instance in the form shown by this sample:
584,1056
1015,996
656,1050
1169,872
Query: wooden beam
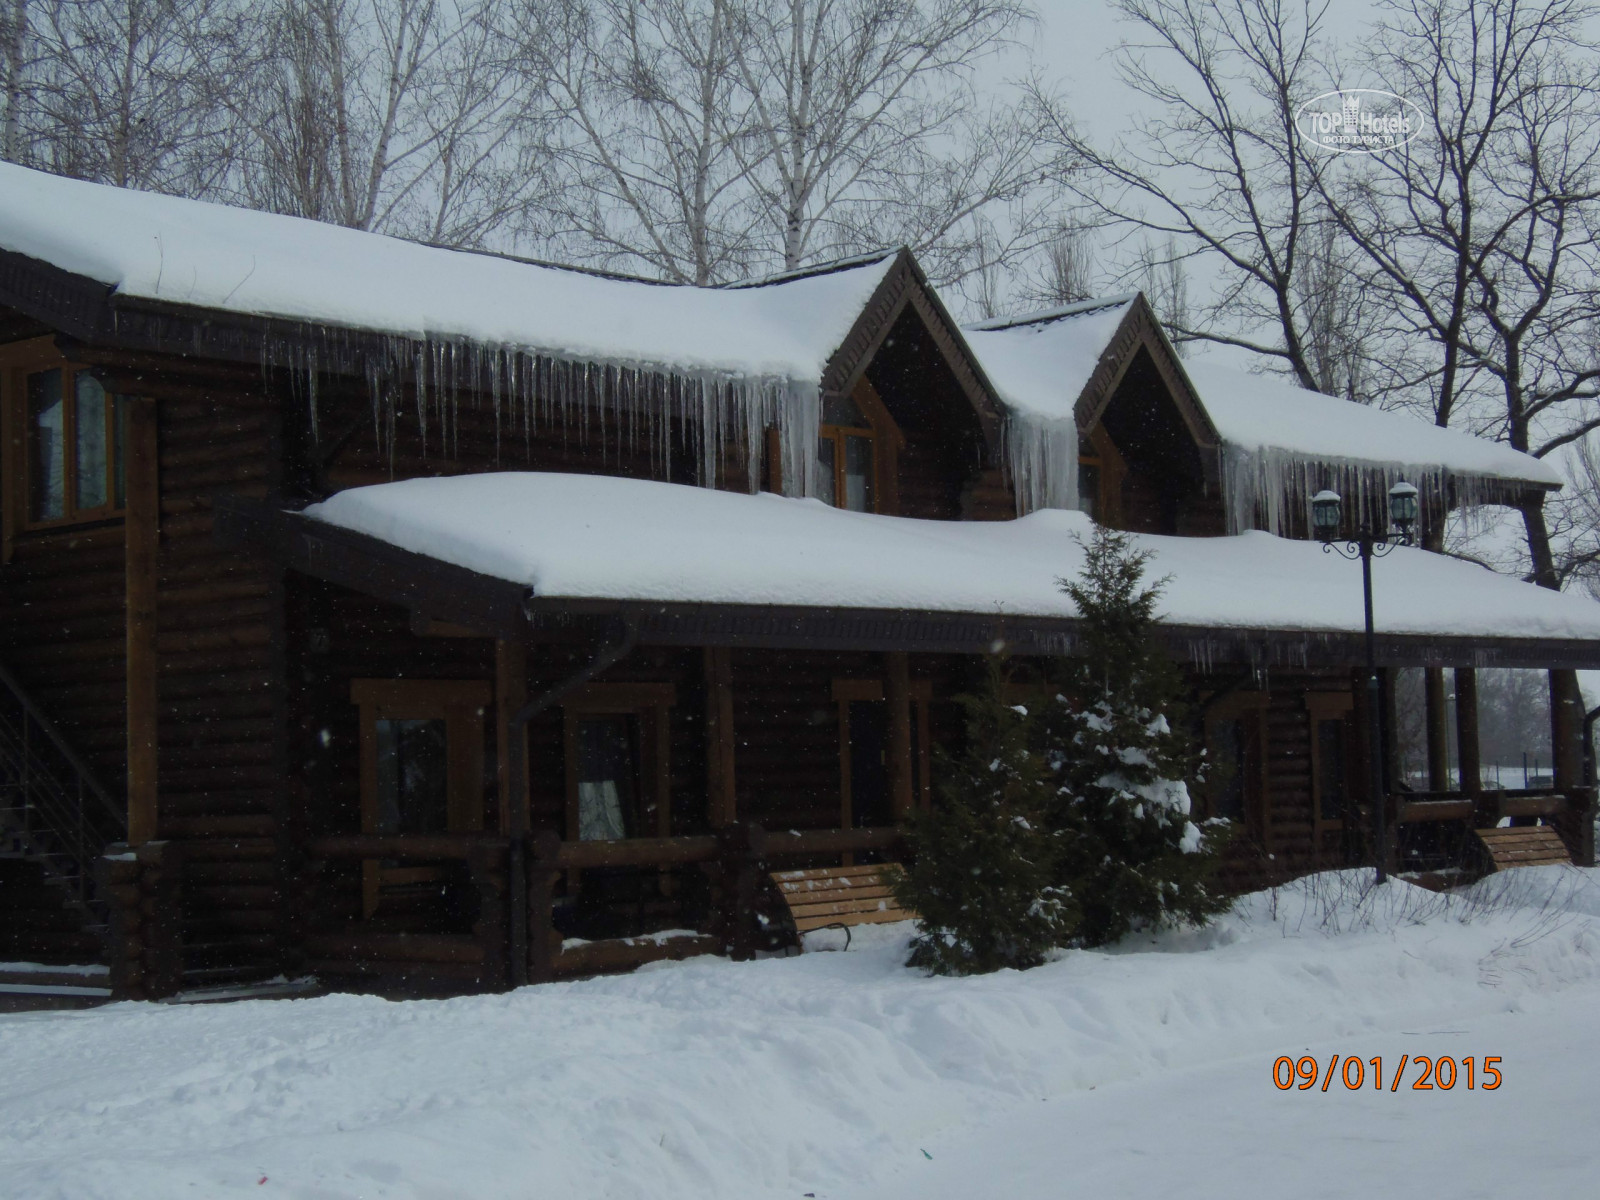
1438,728
142,538
721,803
1576,821
510,694
1468,752
897,691
1566,724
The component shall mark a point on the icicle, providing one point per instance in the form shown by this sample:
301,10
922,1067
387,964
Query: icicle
1041,456
1271,489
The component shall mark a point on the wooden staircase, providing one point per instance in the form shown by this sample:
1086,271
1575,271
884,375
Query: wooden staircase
55,822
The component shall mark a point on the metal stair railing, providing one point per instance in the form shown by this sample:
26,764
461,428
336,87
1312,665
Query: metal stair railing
52,808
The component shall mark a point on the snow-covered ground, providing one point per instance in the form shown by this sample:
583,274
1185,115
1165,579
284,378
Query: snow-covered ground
1146,1071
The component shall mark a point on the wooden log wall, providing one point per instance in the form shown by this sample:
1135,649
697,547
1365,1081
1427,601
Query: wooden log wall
143,891
787,727
1293,844
221,695
62,632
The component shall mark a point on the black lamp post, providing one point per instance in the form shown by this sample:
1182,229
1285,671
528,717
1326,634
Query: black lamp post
1369,542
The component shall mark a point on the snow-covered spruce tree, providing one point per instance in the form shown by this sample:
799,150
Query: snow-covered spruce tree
985,857
1128,851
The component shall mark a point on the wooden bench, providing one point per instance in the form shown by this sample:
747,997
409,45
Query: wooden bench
1523,846
841,897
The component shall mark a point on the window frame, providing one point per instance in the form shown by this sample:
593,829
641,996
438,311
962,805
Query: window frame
1250,709
651,704
18,362
885,439
848,691
462,704
1331,706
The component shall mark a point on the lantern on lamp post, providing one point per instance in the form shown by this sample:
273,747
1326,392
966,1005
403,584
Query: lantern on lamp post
1366,542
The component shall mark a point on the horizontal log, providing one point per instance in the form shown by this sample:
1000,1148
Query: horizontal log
1532,805
217,827
635,852
396,947
414,974
832,841
241,895
251,852
229,921
1417,811
405,846
624,953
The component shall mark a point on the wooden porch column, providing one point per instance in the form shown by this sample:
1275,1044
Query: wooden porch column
1467,745
897,691
1438,725
1576,821
141,535
1390,748
720,795
510,694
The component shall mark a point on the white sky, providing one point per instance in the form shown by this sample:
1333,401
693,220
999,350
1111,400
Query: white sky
1077,45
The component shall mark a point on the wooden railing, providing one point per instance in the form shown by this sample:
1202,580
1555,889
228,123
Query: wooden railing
1413,807
739,855
476,959
143,887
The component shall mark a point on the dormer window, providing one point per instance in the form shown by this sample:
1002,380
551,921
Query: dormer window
847,460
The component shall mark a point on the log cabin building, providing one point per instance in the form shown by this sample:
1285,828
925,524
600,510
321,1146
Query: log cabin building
422,619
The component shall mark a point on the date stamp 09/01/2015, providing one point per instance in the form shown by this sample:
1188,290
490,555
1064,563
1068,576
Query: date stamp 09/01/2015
1430,1074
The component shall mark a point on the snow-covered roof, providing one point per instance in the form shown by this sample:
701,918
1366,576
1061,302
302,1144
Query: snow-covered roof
598,537
1040,364
1258,413
165,248
1280,443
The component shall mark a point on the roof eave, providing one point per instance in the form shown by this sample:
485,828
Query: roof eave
433,590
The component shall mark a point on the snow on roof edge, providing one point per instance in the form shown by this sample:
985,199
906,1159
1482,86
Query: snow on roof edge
1046,315
627,539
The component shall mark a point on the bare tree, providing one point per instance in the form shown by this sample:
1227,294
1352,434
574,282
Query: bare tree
121,91
1164,279
1063,271
1332,297
654,112
1479,235
1215,167
13,43
395,115
868,131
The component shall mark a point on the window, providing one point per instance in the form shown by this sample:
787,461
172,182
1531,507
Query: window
1235,787
413,776
846,457
422,751
608,777
863,751
1331,746
618,740
1331,796
66,440
1228,758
